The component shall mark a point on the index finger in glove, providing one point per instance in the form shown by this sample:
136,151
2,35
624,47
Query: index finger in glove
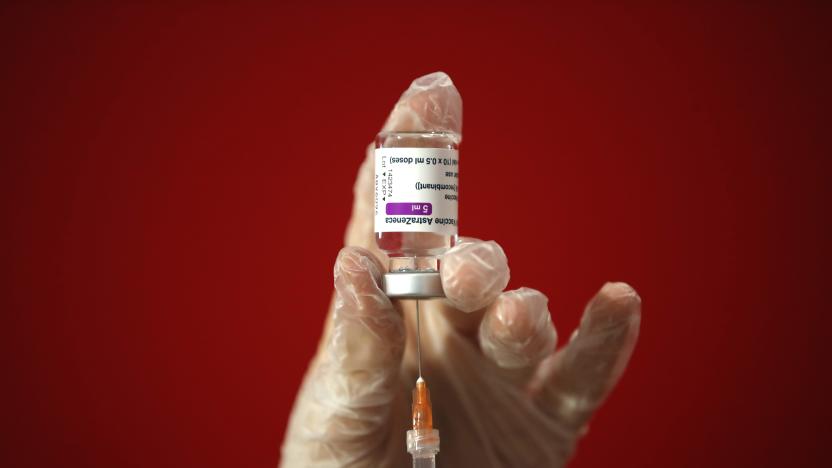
574,381
431,103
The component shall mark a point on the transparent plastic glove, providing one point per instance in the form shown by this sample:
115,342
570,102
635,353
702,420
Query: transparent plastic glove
502,395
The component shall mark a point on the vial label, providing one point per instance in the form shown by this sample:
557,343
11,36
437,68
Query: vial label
416,190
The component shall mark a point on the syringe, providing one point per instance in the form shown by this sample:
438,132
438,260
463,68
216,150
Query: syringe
423,439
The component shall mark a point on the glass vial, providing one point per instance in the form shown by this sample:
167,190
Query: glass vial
416,197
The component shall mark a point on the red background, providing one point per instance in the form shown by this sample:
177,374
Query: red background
175,183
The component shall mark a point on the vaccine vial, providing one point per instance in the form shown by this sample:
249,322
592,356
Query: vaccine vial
416,198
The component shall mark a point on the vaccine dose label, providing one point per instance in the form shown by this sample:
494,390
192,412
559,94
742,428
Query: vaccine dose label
416,190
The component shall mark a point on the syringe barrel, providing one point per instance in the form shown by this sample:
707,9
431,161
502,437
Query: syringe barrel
423,444
425,462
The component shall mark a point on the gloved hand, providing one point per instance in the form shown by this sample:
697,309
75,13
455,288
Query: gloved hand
502,395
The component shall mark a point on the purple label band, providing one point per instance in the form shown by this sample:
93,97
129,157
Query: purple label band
409,208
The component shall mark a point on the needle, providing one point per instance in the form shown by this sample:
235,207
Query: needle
418,340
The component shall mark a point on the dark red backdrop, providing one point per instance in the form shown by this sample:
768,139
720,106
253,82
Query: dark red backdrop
175,183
